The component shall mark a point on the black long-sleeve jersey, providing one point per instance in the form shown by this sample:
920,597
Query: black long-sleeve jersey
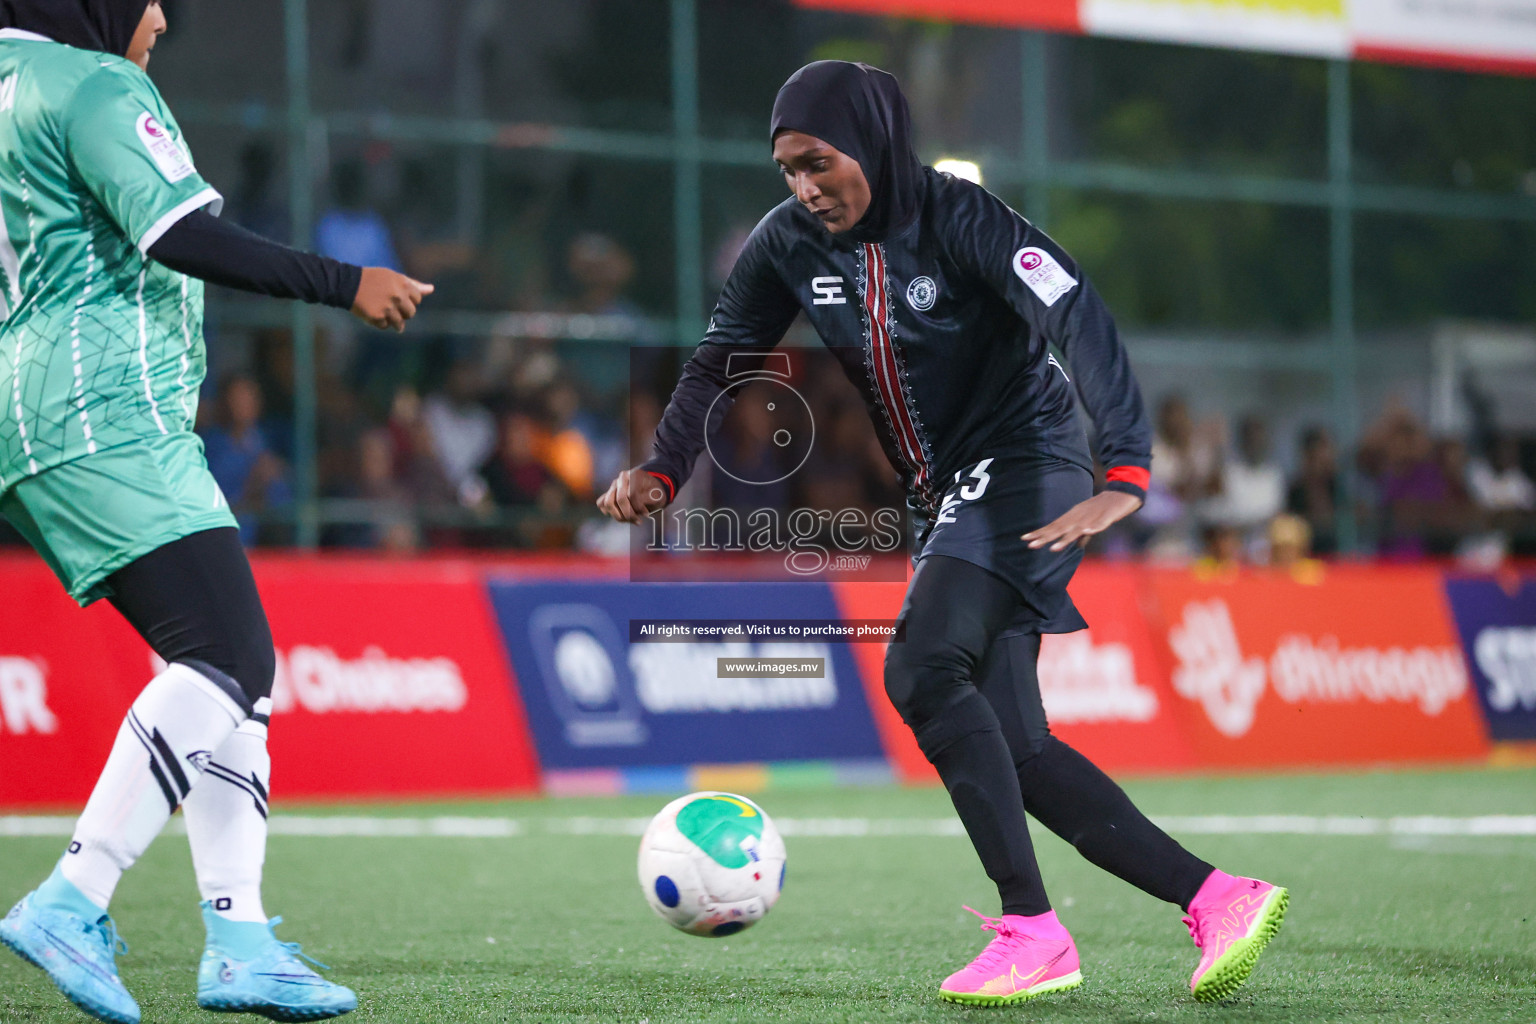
943,328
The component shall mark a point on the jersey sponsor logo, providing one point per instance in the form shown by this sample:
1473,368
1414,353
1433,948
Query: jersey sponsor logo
173,161
1228,684
24,697
922,293
1048,279
829,291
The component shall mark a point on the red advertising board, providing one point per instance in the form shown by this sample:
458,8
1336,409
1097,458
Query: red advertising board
1104,689
391,681
1361,666
1053,15
67,677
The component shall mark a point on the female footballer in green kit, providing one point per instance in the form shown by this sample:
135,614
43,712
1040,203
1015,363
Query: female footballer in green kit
109,234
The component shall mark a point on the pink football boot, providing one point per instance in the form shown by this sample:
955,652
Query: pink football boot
1231,920
1030,957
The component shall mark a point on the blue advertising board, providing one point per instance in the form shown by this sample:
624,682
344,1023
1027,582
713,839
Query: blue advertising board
595,699
1498,633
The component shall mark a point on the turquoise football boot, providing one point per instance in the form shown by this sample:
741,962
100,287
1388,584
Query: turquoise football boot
246,969
58,929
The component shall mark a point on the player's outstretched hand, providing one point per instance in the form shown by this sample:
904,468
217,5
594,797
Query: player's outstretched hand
1083,520
387,299
633,495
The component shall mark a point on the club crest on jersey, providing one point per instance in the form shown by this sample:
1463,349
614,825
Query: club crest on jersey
922,293
1048,279
173,161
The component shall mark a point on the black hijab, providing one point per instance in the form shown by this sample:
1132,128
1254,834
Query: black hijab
104,25
859,110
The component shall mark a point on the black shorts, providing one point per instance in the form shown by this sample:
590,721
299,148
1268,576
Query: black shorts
988,507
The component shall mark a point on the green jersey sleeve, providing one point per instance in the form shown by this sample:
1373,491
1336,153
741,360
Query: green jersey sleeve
129,152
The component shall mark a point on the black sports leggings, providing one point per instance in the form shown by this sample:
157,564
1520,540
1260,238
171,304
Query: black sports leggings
194,601
973,701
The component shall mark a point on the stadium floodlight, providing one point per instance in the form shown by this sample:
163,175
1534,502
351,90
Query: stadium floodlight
970,170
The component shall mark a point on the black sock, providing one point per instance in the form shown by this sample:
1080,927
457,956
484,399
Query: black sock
965,744
1069,795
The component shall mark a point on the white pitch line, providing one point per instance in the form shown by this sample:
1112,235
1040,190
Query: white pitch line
498,828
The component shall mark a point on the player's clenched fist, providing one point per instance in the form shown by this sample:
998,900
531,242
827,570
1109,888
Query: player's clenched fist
387,299
633,495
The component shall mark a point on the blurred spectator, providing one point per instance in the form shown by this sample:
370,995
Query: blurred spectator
562,445
515,475
463,431
389,523
1252,485
602,269
644,414
1317,491
250,475
414,463
1221,551
1499,484
352,230
1290,548
1423,503
749,470
832,478
1186,467
518,479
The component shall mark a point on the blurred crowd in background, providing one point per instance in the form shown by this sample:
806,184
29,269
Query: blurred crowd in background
510,447
542,363
506,441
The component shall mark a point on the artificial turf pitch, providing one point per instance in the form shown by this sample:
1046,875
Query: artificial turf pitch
549,925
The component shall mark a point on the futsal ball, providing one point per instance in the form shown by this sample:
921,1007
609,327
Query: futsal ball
711,864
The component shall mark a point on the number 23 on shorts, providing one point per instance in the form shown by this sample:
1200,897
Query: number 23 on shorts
966,492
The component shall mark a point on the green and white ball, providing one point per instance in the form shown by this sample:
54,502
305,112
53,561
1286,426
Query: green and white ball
711,864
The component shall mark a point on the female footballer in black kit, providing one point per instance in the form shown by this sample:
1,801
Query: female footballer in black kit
939,301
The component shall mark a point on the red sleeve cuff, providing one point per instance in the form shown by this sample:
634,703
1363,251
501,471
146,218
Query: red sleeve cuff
1133,475
671,487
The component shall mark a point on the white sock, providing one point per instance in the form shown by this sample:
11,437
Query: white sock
227,823
168,734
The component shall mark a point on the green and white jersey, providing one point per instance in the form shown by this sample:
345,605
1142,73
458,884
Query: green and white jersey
100,346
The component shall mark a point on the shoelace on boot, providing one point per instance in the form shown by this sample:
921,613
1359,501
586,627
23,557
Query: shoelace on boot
1194,931
105,931
293,947
997,950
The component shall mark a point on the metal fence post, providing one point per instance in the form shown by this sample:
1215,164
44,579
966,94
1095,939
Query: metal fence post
1036,129
301,223
687,203
1341,260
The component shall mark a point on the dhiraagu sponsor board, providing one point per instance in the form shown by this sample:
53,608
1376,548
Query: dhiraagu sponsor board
1318,28
597,701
